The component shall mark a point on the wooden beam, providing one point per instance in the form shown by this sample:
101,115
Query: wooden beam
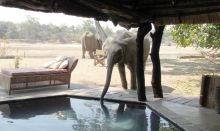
109,7
178,5
129,13
68,7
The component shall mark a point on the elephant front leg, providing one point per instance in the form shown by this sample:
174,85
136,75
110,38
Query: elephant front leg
133,77
83,52
121,68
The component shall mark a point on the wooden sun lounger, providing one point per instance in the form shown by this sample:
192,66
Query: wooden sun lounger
27,78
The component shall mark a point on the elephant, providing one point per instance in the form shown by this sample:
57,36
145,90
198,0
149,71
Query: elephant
128,117
90,43
121,49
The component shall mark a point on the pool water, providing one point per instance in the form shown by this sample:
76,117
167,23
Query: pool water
72,114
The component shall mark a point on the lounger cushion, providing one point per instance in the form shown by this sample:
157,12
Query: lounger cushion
32,71
72,63
48,64
64,64
61,58
60,62
55,65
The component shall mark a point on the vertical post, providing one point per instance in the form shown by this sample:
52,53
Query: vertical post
156,73
68,85
204,90
142,31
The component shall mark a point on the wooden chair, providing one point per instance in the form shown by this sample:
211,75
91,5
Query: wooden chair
99,57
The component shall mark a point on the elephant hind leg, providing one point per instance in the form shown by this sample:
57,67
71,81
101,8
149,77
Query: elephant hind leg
121,68
91,55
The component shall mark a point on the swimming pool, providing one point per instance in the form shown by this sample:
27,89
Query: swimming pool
73,114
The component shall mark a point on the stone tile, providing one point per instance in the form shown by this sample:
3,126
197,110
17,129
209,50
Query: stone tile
181,100
192,128
193,102
176,99
169,98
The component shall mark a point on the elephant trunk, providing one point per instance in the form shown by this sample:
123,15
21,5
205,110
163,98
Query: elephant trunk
110,65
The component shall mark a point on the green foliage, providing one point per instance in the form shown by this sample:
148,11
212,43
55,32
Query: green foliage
17,61
3,47
198,35
5,38
88,25
8,28
31,28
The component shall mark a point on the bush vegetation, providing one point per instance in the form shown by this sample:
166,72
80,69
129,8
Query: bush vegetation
32,31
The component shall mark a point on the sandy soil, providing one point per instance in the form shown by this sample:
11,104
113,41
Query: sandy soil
179,76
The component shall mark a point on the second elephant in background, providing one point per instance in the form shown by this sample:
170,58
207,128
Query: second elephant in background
90,43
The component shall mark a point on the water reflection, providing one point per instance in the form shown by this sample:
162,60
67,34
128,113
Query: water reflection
128,118
69,114
59,107
154,122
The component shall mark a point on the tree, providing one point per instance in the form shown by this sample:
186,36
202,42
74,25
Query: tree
8,28
198,35
30,29
88,25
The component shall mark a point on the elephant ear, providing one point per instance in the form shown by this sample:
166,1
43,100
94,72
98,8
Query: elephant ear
106,45
125,41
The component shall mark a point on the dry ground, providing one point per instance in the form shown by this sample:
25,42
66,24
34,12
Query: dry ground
179,76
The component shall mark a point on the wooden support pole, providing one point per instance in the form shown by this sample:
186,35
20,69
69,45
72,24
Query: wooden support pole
155,58
142,31
204,90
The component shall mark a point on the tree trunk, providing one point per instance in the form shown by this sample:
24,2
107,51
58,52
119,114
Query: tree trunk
142,31
100,31
156,73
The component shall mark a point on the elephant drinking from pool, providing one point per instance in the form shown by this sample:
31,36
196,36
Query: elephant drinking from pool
121,49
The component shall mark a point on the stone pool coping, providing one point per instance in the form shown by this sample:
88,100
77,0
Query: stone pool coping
168,110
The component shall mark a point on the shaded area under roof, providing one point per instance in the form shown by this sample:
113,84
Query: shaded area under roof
129,13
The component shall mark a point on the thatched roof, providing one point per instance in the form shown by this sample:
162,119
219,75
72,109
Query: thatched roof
129,13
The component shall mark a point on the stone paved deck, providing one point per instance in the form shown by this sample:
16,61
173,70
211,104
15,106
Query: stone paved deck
184,111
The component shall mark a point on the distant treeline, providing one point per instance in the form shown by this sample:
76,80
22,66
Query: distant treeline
32,30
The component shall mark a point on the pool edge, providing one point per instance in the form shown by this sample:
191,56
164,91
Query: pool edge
170,116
